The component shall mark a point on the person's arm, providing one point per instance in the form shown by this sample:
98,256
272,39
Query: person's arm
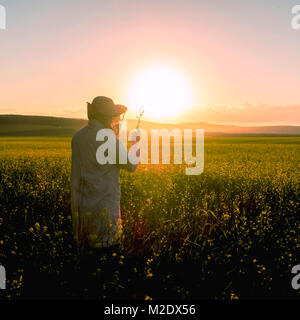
121,149
75,187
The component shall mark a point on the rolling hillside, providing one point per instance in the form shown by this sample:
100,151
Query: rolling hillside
19,125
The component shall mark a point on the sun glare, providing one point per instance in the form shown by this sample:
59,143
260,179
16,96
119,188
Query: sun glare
162,92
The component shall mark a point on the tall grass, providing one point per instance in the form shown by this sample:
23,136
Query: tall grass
232,232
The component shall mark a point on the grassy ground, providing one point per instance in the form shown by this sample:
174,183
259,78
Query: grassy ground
232,232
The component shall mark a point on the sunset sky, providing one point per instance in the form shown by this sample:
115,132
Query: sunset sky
235,59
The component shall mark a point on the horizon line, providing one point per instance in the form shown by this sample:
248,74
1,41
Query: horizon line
235,124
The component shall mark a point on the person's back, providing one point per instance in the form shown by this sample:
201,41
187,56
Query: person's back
95,190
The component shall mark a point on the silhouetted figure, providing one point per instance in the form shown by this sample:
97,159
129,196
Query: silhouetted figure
96,187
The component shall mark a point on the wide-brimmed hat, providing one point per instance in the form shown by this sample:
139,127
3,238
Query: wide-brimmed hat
105,106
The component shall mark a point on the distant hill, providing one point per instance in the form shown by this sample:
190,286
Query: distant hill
20,125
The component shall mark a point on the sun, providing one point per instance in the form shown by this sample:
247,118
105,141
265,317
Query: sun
161,91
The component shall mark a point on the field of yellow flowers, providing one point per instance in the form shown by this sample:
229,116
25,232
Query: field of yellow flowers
230,233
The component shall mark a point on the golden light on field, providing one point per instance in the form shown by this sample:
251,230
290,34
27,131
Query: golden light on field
161,91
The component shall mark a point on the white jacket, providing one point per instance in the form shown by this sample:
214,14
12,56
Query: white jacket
95,190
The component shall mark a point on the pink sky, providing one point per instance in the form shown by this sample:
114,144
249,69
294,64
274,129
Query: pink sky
55,57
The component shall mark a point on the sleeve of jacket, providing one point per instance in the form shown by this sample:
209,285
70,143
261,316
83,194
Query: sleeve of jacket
130,165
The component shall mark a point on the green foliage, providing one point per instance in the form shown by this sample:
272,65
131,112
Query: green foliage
232,232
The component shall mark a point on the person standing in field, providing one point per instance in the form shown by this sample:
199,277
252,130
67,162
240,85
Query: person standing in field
95,188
